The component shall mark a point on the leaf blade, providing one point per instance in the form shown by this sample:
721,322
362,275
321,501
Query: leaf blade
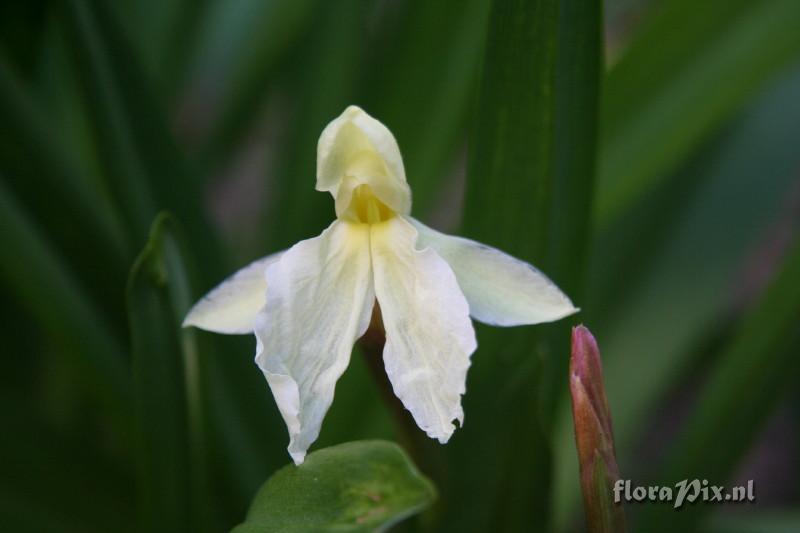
509,186
57,301
356,486
168,387
760,359
142,164
668,95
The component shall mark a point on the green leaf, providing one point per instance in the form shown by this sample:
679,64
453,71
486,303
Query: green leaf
690,284
754,372
180,41
41,168
47,290
667,95
578,70
58,481
38,167
509,204
257,36
168,387
21,27
679,281
125,172
352,487
142,164
421,84
166,35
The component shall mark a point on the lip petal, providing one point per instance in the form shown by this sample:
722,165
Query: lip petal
319,302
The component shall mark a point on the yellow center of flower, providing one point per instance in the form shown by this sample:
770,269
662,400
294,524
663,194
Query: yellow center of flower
366,208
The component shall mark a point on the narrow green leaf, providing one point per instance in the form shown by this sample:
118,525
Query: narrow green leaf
509,190
124,170
261,40
142,164
672,284
246,424
667,95
41,169
48,291
511,154
181,42
168,387
354,487
44,174
166,36
139,155
422,83
54,480
21,27
690,284
759,364
578,70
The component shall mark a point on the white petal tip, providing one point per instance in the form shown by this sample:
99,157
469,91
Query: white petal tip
216,324
298,457
352,110
444,437
568,312
443,434
191,321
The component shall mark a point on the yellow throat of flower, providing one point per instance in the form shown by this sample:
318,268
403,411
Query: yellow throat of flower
365,207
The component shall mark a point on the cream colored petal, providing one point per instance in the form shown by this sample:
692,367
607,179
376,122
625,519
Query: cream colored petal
429,335
355,149
319,302
501,290
231,307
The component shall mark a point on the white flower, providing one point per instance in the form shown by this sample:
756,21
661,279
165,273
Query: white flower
308,305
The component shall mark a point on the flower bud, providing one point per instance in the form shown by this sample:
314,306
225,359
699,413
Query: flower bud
593,435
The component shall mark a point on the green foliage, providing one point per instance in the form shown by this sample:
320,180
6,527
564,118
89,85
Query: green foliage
168,391
519,178
682,253
761,358
353,487
667,94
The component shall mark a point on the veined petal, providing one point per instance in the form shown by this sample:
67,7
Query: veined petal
429,335
355,149
232,306
501,290
319,302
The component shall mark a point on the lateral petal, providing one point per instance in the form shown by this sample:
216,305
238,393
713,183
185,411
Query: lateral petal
232,306
501,290
319,302
429,335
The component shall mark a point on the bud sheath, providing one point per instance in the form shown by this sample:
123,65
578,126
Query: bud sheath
593,435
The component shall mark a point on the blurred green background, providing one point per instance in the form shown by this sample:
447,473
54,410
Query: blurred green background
643,153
